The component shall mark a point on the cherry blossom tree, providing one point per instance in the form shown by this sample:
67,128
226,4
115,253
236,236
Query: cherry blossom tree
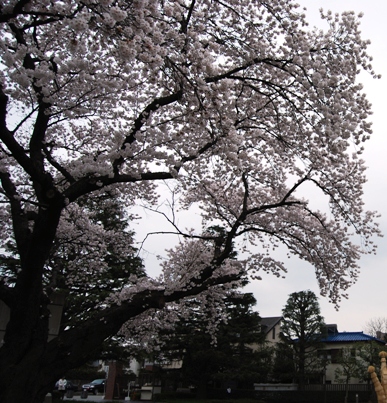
238,104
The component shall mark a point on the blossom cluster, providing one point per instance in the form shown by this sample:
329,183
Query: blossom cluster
236,102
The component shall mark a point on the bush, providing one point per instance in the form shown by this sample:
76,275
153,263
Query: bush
135,394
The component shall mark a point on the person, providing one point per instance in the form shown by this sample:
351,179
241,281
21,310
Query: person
62,387
228,393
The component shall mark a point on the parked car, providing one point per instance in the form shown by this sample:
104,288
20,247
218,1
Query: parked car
98,385
69,386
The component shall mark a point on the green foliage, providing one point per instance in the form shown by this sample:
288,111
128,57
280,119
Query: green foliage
228,360
117,264
84,295
303,327
351,365
283,366
369,353
135,395
355,361
301,319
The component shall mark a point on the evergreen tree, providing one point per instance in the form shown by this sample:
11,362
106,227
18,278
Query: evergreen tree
235,355
302,327
251,357
118,262
283,365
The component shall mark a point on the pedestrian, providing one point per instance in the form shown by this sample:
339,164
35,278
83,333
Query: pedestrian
228,393
62,387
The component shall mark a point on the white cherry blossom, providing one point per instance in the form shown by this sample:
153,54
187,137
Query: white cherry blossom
238,104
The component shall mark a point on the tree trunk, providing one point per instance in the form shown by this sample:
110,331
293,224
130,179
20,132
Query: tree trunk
22,362
27,375
346,391
25,384
301,369
34,374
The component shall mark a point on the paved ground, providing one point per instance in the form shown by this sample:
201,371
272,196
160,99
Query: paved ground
92,398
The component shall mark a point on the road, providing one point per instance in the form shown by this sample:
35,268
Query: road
92,398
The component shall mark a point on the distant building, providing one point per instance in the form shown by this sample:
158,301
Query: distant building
271,326
333,345
381,335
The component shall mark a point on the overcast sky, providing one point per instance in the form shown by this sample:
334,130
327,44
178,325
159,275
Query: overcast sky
368,297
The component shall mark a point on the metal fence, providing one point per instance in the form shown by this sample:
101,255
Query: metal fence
339,387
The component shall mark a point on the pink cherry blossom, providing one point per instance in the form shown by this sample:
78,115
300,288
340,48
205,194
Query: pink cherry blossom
237,105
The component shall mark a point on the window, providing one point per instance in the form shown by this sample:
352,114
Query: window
336,355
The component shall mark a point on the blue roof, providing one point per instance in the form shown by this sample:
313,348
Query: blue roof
345,337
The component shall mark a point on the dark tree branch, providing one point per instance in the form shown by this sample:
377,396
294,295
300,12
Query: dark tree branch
141,119
230,74
81,341
17,9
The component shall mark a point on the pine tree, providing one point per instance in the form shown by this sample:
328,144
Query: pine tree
235,354
302,327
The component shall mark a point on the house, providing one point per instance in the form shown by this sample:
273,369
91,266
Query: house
271,326
336,343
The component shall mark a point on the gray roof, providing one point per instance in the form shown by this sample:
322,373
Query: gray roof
268,323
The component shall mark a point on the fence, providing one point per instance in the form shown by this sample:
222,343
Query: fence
340,387
328,393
